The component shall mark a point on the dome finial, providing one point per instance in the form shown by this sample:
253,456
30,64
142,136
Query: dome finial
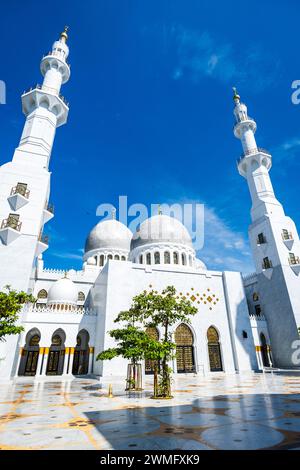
159,209
64,35
236,96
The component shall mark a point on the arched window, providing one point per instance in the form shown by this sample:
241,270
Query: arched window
42,294
214,350
117,257
148,258
30,354
183,259
141,259
56,357
56,340
101,260
184,349
34,341
175,258
255,297
110,257
81,354
167,257
157,257
81,297
123,258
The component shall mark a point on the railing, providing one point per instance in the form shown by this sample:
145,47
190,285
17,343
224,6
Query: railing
287,236
44,239
57,54
253,152
20,190
59,309
38,86
10,223
50,208
294,260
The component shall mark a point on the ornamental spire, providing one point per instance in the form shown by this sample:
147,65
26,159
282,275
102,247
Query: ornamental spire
64,35
236,96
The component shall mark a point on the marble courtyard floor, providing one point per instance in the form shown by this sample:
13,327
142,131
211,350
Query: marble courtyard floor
259,411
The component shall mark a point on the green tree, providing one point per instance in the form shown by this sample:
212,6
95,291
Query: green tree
162,310
11,303
131,344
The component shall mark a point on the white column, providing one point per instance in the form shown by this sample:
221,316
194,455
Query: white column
67,355
45,355
39,362
91,360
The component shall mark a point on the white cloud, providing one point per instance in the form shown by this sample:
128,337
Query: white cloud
224,248
201,54
77,254
288,149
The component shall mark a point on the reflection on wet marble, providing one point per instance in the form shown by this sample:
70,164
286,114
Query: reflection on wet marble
255,411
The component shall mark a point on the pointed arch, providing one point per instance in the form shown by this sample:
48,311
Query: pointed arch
30,353
185,356
214,350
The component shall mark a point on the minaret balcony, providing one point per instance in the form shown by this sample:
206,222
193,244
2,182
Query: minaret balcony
48,213
294,262
41,96
262,156
287,239
55,59
242,125
19,196
10,230
42,244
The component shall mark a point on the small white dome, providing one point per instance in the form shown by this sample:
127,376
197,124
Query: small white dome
200,265
109,234
161,229
63,291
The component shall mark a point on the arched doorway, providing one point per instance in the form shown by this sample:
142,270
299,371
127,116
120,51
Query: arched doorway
264,351
149,364
184,349
56,358
81,354
214,350
30,353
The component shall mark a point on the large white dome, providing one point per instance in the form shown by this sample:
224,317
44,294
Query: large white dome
161,229
109,234
63,292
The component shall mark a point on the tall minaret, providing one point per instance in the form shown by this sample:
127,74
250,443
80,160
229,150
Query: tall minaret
25,181
274,241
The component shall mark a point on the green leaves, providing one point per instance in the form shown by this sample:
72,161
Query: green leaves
11,303
157,310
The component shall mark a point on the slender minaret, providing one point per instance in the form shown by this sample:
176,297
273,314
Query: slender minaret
274,242
25,181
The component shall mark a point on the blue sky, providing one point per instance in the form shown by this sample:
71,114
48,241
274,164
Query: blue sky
151,109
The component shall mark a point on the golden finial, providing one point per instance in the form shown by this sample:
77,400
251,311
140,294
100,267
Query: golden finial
64,35
236,96
159,210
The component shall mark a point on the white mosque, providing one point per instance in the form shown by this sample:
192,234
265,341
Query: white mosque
243,324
